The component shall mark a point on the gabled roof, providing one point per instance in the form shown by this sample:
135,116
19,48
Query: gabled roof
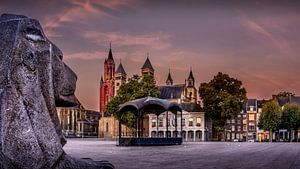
171,92
190,107
147,64
169,79
120,69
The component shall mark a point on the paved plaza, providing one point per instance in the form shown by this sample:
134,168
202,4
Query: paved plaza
192,155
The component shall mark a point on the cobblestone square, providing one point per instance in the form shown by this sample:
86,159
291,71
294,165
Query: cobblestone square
190,155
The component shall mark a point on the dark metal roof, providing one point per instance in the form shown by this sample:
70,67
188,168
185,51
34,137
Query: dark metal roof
120,69
147,64
190,107
251,102
150,105
191,75
171,92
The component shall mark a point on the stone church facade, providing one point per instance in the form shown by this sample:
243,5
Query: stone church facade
184,94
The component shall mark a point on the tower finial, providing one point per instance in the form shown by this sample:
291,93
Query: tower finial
109,45
147,54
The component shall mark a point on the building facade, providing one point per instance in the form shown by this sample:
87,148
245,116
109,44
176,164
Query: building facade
193,118
79,122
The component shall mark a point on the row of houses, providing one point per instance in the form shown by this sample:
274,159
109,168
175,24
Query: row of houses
245,126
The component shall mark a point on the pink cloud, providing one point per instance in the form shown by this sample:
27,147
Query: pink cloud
152,40
279,42
80,11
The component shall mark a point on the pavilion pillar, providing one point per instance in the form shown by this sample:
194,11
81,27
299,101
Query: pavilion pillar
142,125
120,128
137,126
181,123
167,124
176,132
157,126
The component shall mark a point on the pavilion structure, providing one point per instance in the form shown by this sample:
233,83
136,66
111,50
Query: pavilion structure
150,105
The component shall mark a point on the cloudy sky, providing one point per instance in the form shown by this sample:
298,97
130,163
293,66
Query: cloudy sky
257,42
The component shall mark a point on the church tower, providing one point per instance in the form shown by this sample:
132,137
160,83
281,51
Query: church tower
120,77
107,89
169,81
147,68
190,90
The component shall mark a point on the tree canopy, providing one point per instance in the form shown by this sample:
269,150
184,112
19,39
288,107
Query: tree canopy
270,117
290,116
223,98
136,88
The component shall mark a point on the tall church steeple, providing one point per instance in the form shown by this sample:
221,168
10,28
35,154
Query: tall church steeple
169,80
107,88
147,68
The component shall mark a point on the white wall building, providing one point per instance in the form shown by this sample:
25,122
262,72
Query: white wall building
193,124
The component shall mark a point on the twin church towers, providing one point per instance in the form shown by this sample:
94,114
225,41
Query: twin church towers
113,78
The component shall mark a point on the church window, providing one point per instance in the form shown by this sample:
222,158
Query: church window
118,84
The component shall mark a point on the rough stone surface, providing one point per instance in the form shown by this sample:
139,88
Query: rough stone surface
33,81
190,155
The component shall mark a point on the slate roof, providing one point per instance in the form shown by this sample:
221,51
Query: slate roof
110,56
190,107
252,102
171,92
283,100
191,75
147,64
120,69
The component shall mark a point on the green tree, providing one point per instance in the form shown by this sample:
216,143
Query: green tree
269,119
290,117
285,94
136,88
223,99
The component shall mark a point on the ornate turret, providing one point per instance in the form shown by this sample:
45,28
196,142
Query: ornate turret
147,68
120,77
191,79
169,80
190,90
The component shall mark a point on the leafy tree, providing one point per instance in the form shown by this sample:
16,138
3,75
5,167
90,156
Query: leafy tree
285,94
270,117
223,99
290,117
136,88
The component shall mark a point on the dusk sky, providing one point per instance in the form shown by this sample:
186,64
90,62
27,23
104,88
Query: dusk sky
257,42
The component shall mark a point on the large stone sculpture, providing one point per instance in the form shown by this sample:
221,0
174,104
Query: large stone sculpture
33,81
